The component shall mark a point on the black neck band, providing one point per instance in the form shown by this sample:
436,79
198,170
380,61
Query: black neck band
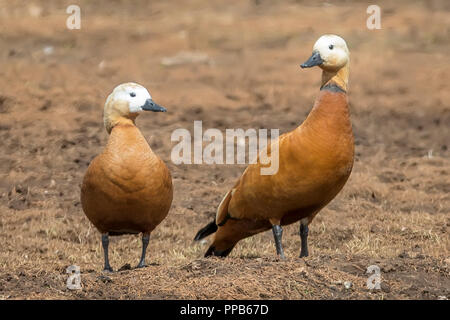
333,88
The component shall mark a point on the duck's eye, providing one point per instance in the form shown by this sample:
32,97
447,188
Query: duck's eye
132,94
331,47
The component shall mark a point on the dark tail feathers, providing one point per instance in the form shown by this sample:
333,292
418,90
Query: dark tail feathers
210,228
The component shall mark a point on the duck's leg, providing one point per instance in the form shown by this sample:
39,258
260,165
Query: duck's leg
105,244
277,234
304,237
145,240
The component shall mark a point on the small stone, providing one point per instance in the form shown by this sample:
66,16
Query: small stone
126,266
104,279
35,11
186,57
375,228
48,50
348,284
385,287
102,65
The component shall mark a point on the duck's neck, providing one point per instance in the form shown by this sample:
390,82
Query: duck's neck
339,77
113,120
330,112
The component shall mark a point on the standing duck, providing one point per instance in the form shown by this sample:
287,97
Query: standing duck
315,161
127,189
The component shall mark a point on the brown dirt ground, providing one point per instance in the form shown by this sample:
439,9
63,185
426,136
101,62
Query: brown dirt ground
393,212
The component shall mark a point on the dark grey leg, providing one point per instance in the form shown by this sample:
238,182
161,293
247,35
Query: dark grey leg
304,237
105,244
145,240
277,233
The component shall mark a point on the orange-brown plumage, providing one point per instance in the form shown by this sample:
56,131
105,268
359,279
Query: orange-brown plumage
127,188
315,161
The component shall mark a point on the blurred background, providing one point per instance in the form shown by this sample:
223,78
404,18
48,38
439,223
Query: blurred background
231,64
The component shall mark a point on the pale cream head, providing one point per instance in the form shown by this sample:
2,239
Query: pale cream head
126,102
333,51
331,54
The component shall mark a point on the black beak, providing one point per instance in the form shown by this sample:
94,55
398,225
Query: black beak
314,60
151,106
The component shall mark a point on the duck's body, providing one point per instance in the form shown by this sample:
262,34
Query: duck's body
315,161
127,188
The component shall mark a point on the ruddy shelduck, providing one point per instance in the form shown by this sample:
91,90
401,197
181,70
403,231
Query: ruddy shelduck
315,161
127,189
